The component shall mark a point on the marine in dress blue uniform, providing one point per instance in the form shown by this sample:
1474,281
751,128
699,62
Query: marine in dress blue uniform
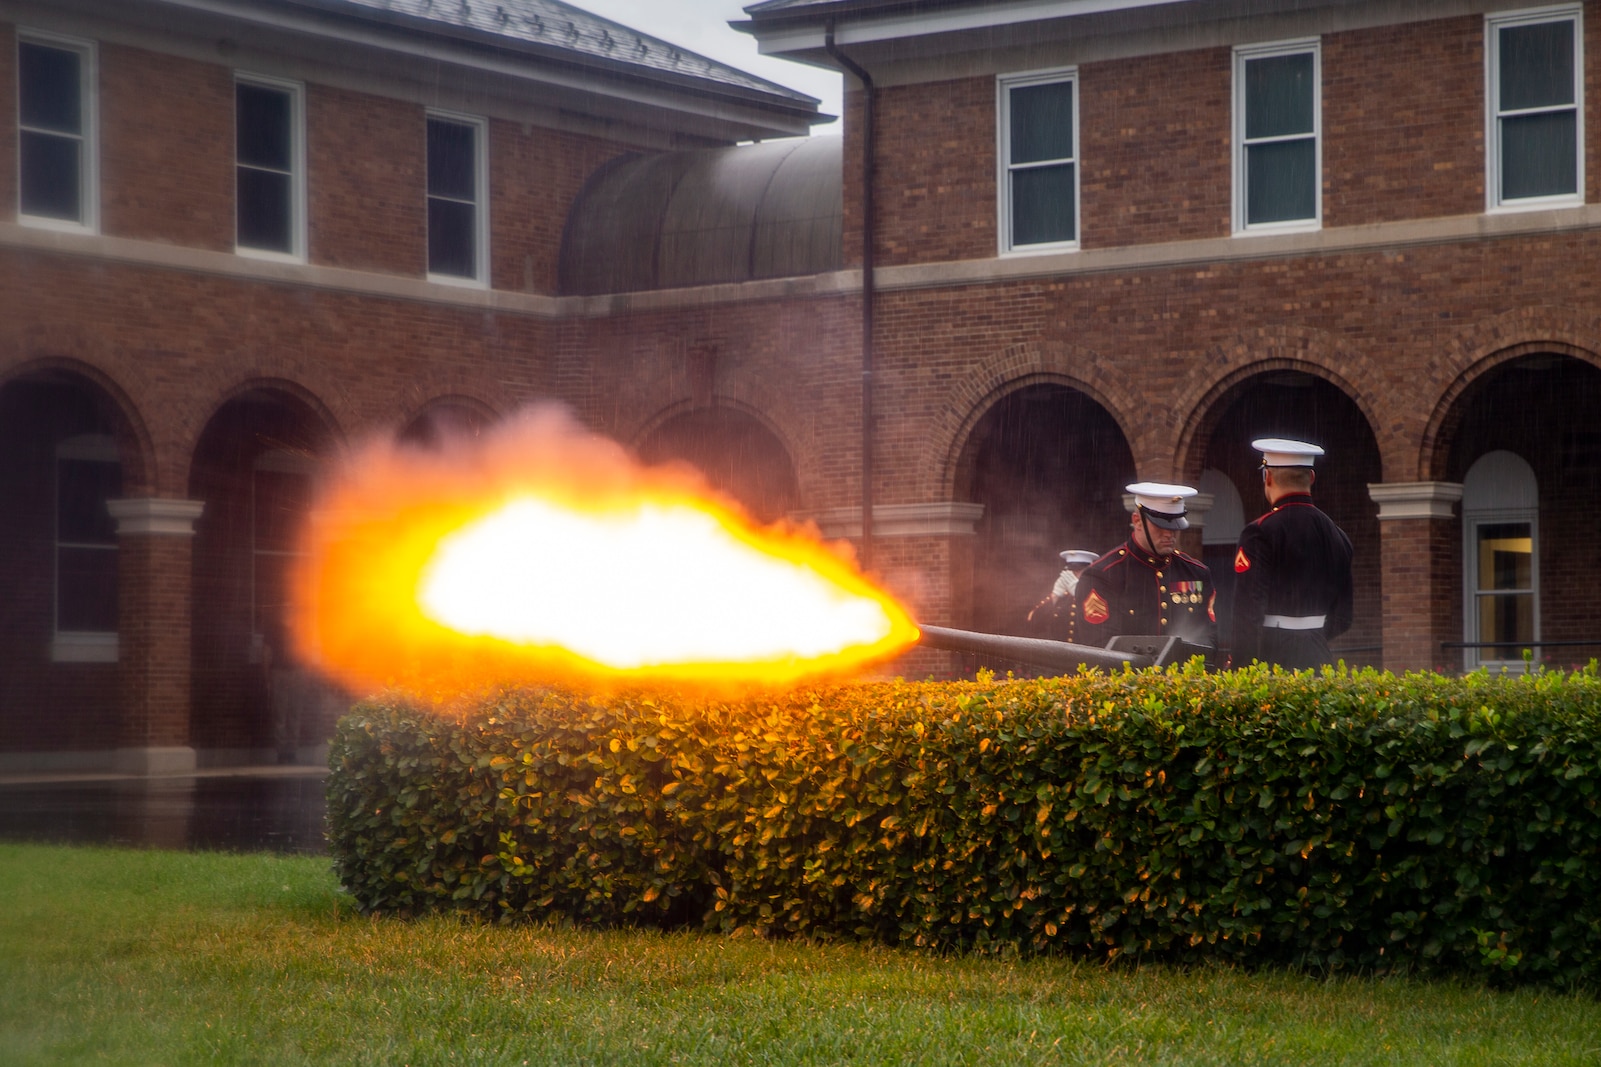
1145,586
1292,568
1055,616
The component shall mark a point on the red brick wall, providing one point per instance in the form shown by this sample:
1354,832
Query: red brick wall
366,182
1403,122
1154,140
534,176
167,149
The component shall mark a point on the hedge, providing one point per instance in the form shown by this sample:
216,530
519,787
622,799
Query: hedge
1342,821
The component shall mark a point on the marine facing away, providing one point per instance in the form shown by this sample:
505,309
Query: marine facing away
1292,568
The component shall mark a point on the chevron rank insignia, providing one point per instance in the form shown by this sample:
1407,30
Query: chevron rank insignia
1096,609
1241,562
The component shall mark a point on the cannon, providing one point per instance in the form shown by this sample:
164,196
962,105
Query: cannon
1062,656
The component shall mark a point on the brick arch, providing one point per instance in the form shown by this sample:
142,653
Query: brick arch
292,389
414,410
422,391
1013,368
1198,402
748,397
1488,346
135,446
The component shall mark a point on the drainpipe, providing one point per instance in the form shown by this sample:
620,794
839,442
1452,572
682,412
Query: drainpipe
868,220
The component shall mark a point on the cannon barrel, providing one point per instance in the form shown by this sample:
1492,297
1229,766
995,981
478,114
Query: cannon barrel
1063,656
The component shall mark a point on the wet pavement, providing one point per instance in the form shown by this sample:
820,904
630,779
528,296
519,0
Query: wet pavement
266,809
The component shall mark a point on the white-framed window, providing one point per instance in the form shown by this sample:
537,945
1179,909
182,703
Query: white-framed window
88,473
1501,561
1039,169
1278,153
280,501
1535,114
57,183
458,192
269,167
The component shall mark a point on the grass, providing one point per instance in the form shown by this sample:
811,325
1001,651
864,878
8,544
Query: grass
147,957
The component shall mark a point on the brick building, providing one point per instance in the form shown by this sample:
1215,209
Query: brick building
1109,241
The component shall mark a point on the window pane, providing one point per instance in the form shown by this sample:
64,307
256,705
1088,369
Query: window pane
450,160
1536,65
450,238
82,489
272,600
1281,181
86,589
1042,205
49,174
264,210
1539,155
1278,95
1042,122
282,501
262,126
1505,617
48,88
1506,556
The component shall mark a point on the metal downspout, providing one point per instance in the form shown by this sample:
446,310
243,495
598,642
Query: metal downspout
868,220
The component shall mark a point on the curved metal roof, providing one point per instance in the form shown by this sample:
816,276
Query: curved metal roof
701,217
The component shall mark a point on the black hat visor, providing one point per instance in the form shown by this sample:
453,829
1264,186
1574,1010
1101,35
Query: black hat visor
1166,522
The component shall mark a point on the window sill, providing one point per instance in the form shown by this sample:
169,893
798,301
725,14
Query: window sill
1534,203
44,222
1268,229
457,281
83,647
1040,250
268,254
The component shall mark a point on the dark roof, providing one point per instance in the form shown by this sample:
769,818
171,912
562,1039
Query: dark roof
706,216
559,31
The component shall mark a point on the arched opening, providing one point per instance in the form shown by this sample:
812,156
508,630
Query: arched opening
1300,406
1049,465
59,562
254,468
1524,442
738,455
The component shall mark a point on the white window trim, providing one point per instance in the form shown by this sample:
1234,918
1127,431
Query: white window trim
1243,53
1493,204
89,176
1005,83
297,162
78,646
1474,658
480,193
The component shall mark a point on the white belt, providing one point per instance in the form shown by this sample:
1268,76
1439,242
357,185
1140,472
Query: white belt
1293,622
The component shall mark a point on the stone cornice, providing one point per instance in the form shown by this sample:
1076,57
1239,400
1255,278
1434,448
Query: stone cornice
944,519
1380,237
1415,500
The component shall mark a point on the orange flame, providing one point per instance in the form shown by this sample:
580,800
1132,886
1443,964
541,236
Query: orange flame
544,552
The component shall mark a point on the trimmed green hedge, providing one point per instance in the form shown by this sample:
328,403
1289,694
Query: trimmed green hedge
1348,820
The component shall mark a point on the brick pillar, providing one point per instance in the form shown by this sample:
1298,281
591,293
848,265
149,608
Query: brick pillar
155,548
1418,531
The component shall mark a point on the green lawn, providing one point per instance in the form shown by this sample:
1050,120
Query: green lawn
148,957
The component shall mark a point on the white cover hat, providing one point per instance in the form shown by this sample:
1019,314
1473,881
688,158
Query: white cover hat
1162,503
1077,555
1279,452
